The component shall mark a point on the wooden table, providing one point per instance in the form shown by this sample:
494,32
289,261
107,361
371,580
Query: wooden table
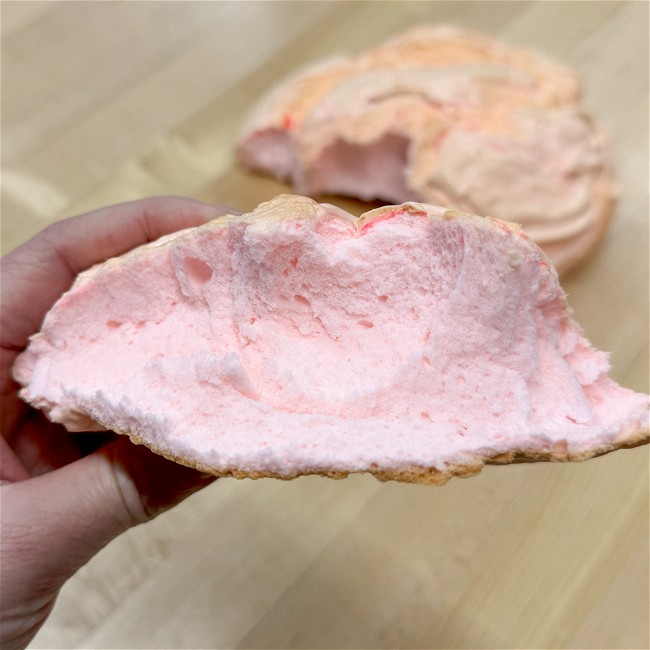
104,102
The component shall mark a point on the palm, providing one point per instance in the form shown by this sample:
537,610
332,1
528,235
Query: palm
53,488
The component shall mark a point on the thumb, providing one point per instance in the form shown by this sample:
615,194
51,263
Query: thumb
54,523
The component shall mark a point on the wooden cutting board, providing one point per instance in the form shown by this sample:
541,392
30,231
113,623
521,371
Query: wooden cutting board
104,102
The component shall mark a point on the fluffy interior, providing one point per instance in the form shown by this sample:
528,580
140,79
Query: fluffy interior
309,344
367,171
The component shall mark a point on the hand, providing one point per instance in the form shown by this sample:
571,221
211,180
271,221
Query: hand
65,496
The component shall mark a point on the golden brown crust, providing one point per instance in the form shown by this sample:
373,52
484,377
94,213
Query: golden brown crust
416,473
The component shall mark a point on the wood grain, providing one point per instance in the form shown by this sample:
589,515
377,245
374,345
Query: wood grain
109,101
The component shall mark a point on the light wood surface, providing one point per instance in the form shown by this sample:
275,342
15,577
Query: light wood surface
104,102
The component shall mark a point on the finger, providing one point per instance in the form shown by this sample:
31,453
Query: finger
37,273
53,524
43,446
11,468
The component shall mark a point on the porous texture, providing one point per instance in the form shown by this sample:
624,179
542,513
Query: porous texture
415,343
448,117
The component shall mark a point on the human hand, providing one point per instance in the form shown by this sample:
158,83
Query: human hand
62,501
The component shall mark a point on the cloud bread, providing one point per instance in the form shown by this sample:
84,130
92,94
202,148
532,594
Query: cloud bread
449,117
415,343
